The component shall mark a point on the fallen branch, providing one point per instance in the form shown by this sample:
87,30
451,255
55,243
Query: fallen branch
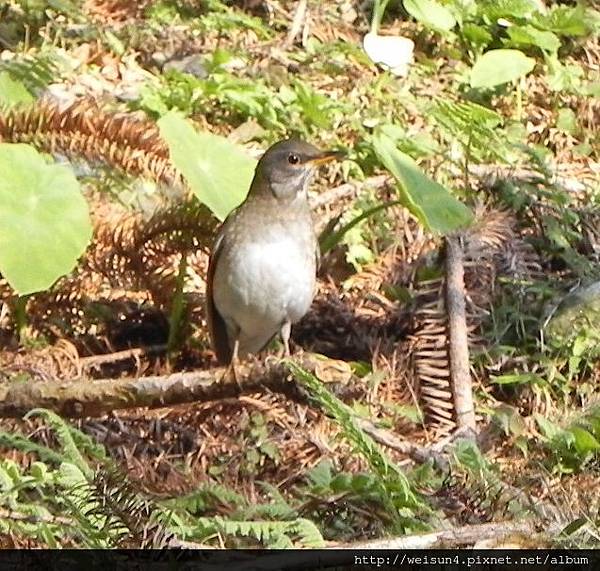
343,555
493,173
458,349
419,454
297,23
110,358
452,538
93,398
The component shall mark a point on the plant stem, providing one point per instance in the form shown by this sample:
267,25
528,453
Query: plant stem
519,98
177,308
378,10
19,309
327,241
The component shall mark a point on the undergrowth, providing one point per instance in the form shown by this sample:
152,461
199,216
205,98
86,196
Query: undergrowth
526,148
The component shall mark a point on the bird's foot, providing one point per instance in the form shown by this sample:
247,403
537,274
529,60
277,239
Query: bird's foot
232,374
286,330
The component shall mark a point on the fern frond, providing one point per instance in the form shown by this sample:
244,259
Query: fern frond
205,498
140,254
33,71
473,126
474,499
272,534
64,433
83,130
20,442
393,487
118,502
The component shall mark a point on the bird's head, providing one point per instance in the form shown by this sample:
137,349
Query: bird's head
287,167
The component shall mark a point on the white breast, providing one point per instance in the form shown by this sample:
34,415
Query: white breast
262,284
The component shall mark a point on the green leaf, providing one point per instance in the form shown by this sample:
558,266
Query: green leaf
517,379
565,21
567,121
320,475
496,67
563,77
218,172
44,219
493,10
585,443
429,201
478,35
13,92
549,429
430,13
530,36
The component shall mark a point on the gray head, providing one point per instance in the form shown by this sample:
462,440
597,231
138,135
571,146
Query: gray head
287,167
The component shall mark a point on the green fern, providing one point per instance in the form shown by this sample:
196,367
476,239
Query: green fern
272,534
36,72
474,127
204,498
65,435
393,486
20,442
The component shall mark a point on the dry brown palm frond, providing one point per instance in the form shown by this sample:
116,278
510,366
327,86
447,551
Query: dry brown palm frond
114,11
143,254
83,130
58,361
492,248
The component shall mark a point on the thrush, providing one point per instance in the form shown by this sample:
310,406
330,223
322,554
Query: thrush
262,270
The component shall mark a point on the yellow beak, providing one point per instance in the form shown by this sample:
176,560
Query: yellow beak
325,157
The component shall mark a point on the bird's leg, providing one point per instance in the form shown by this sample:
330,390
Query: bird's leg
235,361
231,371
286,331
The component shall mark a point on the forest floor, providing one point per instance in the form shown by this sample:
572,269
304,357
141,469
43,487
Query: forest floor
523,156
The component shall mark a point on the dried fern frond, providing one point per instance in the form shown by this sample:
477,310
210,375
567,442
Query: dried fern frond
491,248
84,130
132,262
114,11
141,254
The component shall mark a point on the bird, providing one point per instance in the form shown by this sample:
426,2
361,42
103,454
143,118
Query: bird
262,270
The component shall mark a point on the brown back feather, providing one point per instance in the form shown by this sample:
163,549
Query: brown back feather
216,325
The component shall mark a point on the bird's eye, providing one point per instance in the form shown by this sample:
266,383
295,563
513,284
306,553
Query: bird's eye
293,159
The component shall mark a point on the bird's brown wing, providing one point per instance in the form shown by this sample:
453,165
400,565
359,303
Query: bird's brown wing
216,325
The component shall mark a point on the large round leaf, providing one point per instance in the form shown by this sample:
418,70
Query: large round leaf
44,220
218,171
496,67
431,13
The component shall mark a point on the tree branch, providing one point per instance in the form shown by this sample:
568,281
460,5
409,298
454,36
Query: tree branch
458,350
452,538
92,398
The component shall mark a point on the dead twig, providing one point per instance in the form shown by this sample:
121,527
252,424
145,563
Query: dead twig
116,357
297,23
348,189
457,537
458,350
419,454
